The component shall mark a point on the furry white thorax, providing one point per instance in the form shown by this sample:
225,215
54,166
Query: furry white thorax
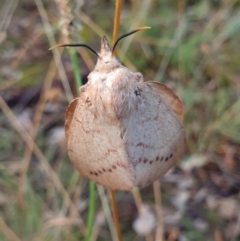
112,86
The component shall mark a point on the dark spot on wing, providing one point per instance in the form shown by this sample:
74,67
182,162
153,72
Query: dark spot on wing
166,159
104,170
157,158
114,167
150,162
145,160
91,172
95,173
110,170
137,92
171,155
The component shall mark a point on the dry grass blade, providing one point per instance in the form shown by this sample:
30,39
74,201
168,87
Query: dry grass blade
173,43
116,23
86,57
217,19
7,13
138,201
107,212
27,138
37,117
90,23
158,205
56,54
115,214
28,45
236,227
218,235
66,18
61,222
8,84
141,14
35,126
7,232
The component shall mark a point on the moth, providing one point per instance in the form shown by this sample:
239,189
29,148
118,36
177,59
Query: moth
123,132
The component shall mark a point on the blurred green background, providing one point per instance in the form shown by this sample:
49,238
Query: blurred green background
192,47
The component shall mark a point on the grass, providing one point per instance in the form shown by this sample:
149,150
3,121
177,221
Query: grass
192,47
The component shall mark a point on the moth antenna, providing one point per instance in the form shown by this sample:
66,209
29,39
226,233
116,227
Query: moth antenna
74,45
127,34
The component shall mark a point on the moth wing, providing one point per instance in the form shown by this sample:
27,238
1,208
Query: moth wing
154,135
169,97
69,117
96,148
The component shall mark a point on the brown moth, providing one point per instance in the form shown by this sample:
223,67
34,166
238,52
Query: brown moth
123,131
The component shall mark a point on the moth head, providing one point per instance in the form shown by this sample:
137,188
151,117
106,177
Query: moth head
106,61
106,58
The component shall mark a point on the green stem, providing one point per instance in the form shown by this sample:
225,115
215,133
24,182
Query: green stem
90,210
78,84
76,70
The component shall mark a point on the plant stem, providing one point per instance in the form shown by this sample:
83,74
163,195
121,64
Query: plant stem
117,14
158,205
115,215
91,206
90,210
76,71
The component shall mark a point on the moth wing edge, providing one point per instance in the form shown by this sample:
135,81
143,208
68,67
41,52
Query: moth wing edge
69,116
170,98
